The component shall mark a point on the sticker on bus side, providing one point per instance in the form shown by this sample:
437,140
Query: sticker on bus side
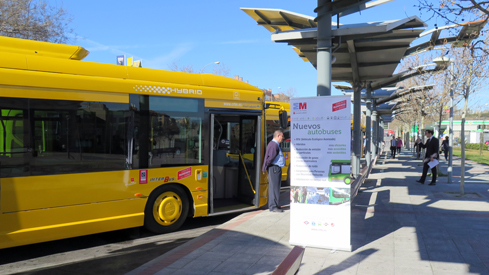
143,176
163,179
185,173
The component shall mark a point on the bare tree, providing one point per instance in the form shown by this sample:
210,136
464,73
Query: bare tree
221,69
455,11
418,107
35,20
177,68
470,71
471,68
291,92
285,96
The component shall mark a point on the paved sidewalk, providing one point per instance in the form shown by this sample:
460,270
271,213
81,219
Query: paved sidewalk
398,227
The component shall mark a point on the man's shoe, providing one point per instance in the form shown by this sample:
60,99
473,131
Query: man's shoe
276,210
432,183
279,207
420,181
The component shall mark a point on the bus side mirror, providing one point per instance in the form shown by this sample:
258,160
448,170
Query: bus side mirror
284,119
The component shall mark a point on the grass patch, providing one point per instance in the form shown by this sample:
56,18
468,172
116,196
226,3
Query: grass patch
473,155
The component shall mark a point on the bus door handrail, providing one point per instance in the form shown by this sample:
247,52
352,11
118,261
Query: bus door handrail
246,170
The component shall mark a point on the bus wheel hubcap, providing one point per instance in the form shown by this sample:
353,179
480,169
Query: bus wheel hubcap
168,208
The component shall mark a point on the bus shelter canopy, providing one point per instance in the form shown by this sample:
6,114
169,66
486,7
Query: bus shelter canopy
364,52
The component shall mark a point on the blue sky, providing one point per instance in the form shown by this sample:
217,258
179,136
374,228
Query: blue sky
200,32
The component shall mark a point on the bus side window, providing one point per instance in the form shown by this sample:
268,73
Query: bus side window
14,142
175,131
335,169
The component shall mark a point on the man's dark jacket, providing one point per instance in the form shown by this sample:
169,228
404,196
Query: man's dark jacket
270,155
432,147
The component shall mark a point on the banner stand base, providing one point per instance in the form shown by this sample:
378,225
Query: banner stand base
341,248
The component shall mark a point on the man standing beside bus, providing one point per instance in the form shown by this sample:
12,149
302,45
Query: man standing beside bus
273,162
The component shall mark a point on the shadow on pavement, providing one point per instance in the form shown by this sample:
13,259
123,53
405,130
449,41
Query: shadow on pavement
392,209
117,262
115,252
348,263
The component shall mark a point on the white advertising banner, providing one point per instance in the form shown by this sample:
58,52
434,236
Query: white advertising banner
320,172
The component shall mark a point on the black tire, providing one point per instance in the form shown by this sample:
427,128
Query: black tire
175,205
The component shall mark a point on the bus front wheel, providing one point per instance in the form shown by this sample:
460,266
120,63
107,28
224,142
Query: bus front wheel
166,209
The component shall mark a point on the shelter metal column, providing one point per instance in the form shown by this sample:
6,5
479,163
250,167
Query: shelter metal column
324,44
381,133
357,136
375,127
368,126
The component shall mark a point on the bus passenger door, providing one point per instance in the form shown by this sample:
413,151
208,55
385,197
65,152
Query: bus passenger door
235,162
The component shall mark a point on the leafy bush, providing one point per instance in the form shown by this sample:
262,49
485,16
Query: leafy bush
476,146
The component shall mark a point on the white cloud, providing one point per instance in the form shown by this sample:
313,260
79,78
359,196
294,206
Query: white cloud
162,61
158,62
94,46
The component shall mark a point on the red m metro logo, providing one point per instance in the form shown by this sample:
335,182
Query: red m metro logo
303,106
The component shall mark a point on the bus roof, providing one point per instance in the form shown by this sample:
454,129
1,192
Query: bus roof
40,48
41,56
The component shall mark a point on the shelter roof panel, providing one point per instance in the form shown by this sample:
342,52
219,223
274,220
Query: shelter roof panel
372,73
278,19
381,55
374,49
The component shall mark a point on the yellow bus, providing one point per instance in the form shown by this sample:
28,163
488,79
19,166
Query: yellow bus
88,147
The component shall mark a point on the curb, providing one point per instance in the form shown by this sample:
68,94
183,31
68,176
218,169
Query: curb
290,265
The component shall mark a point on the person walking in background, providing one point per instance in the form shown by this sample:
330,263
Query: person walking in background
417,147
432,146
364,145
393,147
445,147
273,162
399,145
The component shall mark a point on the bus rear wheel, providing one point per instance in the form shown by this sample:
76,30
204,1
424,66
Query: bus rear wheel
166,209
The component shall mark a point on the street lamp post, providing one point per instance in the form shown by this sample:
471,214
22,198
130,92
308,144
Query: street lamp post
444,61
217,62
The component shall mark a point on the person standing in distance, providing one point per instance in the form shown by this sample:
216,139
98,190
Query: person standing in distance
445,147
417,146
432,146
399,145
273,162
393,147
